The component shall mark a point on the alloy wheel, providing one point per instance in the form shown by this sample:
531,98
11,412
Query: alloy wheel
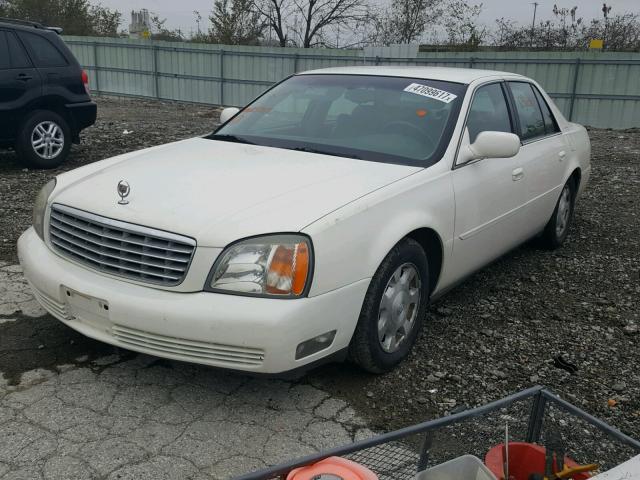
47,140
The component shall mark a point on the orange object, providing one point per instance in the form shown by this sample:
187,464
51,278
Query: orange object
334,468
301,268
290,262
524,459
421,113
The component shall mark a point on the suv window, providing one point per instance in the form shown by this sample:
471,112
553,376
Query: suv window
45,53
550,124
4,52
17,53
528,110
488,112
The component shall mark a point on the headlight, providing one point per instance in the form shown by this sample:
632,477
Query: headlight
40,207
274,265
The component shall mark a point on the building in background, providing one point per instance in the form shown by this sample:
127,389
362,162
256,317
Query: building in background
140,26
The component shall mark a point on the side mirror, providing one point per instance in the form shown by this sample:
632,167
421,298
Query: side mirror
494,145
227,114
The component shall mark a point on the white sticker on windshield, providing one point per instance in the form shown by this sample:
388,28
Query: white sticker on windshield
431,92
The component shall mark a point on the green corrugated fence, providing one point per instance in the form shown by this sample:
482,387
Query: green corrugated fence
592,88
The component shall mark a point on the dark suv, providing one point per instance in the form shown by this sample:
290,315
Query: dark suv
44,94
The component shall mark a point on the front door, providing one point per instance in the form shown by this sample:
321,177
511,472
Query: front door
490,194
20,83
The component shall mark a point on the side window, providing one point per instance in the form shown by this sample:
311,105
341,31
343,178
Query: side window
550,124
4,52
528,110
17,53
488,112
45,53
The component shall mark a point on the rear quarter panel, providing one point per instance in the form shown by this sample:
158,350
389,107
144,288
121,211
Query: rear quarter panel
580,145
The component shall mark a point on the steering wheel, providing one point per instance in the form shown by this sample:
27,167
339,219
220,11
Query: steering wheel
408,127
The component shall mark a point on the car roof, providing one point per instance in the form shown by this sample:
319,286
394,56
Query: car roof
459,75
28,26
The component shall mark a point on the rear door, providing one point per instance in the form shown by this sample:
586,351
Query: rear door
20,83
61,75
543,152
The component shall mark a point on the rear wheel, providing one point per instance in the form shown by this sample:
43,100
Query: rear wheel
557,229
44,140
393,310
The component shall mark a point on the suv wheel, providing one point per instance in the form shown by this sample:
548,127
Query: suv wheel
393,310
44,140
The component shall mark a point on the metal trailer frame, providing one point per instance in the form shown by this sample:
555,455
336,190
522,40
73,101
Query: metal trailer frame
541,396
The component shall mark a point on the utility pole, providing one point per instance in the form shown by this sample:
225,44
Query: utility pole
533,24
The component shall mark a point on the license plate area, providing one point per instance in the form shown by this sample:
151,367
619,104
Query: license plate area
85,308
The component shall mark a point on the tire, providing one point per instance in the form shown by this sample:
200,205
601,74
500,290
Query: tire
372,349
55,140
557,228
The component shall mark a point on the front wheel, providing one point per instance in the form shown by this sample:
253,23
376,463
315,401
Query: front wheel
44,140
393,309
557,229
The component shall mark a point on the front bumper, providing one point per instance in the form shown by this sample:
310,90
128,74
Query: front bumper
228,331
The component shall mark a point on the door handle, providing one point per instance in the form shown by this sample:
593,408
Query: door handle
561,155
24,77
517,174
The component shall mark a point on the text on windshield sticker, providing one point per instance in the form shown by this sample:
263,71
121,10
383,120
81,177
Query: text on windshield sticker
431,92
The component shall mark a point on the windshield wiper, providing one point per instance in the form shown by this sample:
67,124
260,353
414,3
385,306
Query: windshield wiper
324,152
229,138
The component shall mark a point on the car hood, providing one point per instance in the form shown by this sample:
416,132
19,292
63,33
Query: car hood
218,192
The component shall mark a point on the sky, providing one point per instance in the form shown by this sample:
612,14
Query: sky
179,13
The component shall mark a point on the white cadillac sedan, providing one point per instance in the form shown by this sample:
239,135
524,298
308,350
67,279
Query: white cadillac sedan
315,223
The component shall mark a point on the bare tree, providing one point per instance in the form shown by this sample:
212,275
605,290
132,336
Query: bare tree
569,32
509,35
277,14
461,24
236,22
405,21
160,32
316,20
569,26
620,32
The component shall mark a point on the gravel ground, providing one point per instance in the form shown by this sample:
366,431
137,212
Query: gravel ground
499,332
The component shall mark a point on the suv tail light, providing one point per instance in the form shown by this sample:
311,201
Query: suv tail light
85,81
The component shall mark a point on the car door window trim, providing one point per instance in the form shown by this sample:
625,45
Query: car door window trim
24,38
539,137
539,97
512,118
8,35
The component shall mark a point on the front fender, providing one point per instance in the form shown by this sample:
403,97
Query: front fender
351,242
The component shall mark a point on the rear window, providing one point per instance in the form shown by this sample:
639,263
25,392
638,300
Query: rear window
44,52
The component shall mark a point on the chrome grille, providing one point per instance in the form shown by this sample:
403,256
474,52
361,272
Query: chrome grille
203,352
119,248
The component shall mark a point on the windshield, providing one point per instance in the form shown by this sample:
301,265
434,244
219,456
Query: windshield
384,119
